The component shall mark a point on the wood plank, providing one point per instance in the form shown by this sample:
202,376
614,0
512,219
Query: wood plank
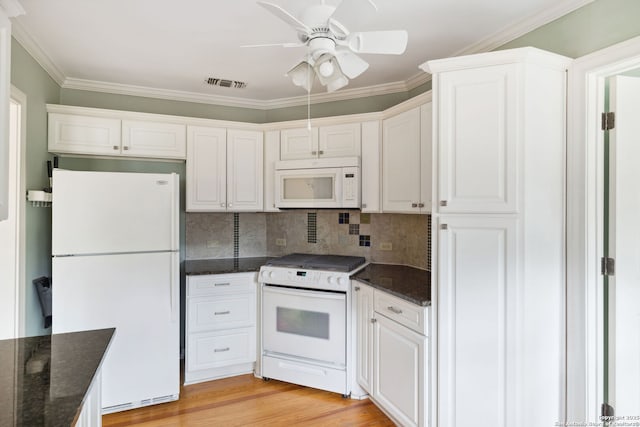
248,401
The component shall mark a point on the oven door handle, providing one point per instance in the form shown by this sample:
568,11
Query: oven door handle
303,292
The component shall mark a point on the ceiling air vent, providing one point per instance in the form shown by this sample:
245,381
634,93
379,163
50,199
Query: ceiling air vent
225,83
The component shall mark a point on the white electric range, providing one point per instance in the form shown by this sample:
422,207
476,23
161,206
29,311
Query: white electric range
306,321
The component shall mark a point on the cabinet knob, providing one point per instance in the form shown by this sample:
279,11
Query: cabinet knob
421,205
414,205
222,205
321,152
125,148
443,203
230,205
357,288
374,320
444,227
115,147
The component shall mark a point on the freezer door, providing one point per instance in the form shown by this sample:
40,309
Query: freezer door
138,295
107,212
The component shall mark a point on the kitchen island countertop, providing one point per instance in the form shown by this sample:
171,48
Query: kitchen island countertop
224,265
409,283
45,379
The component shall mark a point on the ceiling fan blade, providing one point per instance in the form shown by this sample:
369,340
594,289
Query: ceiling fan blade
350,10
275,44
387,42
299,26
350,63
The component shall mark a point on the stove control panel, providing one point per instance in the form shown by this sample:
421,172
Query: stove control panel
311,279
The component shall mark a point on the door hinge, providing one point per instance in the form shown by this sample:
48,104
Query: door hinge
608,120
606,412
607,266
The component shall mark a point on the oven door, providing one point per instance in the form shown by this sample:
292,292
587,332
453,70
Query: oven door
304,323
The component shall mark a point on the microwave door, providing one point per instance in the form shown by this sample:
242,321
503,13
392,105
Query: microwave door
309,189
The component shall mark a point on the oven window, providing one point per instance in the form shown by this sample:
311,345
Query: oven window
302,322
308,188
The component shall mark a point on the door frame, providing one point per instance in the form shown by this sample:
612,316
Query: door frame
585,203
19,97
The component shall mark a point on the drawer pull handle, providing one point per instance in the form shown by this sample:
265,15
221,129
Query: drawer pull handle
222,284
219,313
394,310
220,350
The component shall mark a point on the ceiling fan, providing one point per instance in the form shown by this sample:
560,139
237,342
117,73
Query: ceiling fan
332,48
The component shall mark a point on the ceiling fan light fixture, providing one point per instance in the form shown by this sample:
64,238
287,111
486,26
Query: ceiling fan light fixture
302,75
337,83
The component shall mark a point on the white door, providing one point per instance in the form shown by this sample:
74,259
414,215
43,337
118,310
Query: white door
298,144
153,139
477,296
478,139
206,169
370,170
624,247
401,162
104,212
399,375
339,140
245,151
363,299
138,295
84,134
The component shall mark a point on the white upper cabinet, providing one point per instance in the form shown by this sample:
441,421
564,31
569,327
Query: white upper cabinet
91,131
406,161
478,132
271,156
206,169
370,166
244,170
84,134
224,170
327,141
153,139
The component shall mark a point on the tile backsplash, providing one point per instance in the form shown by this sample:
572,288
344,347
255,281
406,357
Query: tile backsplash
388,238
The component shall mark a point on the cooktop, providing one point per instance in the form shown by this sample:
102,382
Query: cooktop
342,263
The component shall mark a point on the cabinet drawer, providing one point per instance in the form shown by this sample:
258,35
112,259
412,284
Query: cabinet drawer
219,284
221,348
219,312
410,315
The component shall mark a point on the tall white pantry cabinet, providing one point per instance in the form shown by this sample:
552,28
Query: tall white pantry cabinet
499,191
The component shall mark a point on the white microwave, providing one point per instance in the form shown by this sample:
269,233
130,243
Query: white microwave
318,183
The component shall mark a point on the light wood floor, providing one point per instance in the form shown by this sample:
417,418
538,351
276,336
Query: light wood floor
247,401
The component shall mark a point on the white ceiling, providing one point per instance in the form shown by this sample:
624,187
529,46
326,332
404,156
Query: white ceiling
167,48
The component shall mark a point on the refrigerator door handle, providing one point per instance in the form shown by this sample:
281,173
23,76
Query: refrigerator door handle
174,286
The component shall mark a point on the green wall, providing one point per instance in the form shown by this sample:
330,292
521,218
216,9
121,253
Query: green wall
593,27
30,78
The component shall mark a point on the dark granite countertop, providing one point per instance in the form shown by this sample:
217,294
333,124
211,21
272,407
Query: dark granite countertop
224,266
44,379
409,283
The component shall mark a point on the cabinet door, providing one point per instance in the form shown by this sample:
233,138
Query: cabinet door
83,134
477,297
298,144
153,139
478,139
363,300
244,170
371,166
426,157
339,140
399,377
206,169
401,162
271,156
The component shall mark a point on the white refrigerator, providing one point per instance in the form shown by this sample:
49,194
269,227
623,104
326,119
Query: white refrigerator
115,253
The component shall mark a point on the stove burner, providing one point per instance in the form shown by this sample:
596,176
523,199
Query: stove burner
341,263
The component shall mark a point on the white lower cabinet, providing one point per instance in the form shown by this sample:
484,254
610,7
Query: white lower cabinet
91,412
221,326
392,354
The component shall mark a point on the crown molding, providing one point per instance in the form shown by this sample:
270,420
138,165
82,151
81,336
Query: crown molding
520,28
498,39
34,49
12,8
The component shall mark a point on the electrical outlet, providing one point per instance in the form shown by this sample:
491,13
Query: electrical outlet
281,242
211,243
386,246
